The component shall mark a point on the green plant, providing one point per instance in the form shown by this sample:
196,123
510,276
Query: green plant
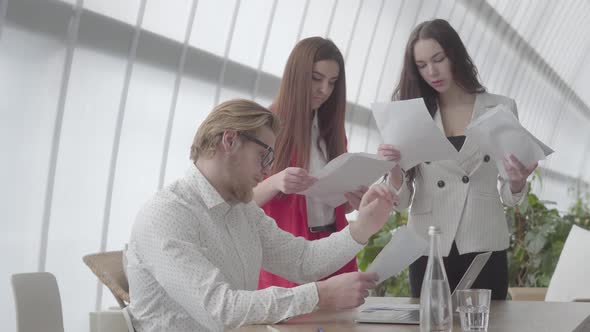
538,235
579,213
394,286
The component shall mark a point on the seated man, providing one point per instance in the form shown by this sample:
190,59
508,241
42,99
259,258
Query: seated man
197,246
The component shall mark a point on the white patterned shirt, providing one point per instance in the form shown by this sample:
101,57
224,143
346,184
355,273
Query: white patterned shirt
194,262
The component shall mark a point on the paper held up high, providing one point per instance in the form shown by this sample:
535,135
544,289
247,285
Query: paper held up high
346,173
407,125
499,134
402,250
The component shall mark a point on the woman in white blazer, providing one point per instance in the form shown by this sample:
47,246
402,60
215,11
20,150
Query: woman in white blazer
463,197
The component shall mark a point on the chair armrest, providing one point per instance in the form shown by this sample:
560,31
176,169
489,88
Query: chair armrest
527,293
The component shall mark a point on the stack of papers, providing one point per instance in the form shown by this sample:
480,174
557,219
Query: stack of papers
499,134
402,250
346,173
390,307
407,125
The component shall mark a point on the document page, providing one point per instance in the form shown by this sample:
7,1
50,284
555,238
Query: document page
407,125
402,250
499,134
347,173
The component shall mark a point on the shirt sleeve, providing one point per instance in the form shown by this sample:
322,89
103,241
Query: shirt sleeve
180,266
300,260
508,197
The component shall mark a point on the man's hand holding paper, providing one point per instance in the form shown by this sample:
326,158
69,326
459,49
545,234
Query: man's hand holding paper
354,198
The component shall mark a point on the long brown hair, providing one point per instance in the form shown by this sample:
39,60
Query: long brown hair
293,106
412,85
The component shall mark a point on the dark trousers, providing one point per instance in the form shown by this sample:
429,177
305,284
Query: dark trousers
494,274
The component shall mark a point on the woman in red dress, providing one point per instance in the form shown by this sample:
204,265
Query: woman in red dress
311,105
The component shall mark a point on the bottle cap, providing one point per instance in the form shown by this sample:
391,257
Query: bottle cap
434,230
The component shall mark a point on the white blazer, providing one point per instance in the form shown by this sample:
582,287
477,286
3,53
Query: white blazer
463,197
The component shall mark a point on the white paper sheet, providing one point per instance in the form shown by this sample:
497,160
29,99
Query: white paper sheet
408,125
402,250
347,173
499,134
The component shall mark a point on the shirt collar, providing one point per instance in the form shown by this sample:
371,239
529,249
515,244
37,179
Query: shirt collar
206,191
314,122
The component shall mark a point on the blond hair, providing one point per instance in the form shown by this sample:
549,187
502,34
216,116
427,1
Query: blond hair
239,115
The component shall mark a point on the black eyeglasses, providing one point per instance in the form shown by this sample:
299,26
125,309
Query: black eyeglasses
269,155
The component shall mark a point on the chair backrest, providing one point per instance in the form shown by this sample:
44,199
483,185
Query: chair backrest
108,267
570,278
38,304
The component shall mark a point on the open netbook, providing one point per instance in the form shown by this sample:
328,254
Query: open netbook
410,313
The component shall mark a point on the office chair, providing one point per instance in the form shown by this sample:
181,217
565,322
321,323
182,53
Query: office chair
108,267
37,302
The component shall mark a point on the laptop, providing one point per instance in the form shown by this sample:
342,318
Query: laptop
404,313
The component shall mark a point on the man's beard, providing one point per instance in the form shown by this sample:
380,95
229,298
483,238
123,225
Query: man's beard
239,188
241,192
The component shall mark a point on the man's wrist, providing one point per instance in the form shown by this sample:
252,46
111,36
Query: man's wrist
357,233
321,289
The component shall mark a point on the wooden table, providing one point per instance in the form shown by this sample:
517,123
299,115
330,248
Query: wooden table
518,316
